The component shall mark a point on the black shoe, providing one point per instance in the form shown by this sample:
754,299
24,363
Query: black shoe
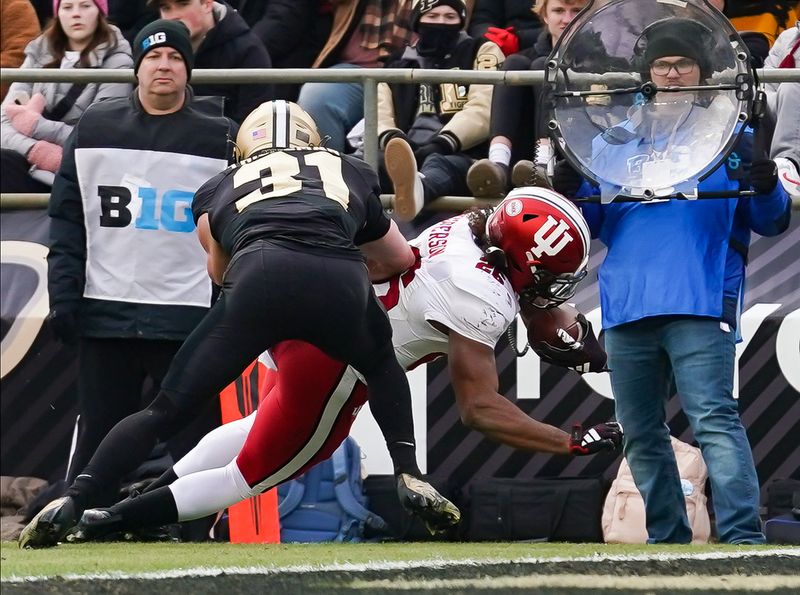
50,525
95,524
421,499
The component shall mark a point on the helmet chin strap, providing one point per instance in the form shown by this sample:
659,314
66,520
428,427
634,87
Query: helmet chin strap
237,153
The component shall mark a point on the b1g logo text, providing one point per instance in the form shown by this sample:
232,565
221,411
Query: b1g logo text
158,37
172,213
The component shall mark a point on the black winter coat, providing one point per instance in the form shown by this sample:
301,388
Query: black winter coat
231,44
506,13
293,31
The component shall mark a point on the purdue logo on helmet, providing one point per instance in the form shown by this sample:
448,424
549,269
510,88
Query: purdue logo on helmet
276,124
546,244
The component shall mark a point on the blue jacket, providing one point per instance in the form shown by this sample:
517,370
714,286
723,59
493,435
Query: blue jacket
679,256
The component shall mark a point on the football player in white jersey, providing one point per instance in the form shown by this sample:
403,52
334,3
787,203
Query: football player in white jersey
471,274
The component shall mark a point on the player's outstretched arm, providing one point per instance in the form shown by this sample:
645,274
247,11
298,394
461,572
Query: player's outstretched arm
473,373
389,255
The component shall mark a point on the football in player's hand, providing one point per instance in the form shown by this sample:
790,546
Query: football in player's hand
563,337
557,327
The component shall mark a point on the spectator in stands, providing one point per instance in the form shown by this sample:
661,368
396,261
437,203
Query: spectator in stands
436,129
44,11
38,117
126,275
364,34
221,39
293,31
511,24
131,15
783,102
769,17
671,290
20,26
754,29
513,125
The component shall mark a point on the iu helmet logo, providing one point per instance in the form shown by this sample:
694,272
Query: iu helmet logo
548,241
545,240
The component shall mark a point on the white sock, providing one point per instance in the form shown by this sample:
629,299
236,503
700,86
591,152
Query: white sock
204,493
217,448
500,153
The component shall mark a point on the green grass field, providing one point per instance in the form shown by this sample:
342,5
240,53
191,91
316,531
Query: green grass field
94,558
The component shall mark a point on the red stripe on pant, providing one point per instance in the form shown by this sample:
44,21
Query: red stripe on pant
304,418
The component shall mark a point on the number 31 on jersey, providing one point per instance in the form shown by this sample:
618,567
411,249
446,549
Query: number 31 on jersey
277,172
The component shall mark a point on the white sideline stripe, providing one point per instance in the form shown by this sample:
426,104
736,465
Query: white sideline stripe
645,583
434,563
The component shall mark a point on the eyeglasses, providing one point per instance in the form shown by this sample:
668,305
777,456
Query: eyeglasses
682,66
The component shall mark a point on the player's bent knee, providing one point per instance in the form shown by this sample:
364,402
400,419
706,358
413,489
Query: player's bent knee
164,414
235,476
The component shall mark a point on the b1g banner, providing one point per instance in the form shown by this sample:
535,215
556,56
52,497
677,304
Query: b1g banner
38,378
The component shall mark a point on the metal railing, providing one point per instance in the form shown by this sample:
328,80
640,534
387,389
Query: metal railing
368,77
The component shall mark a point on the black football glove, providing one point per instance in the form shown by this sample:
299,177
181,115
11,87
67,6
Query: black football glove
438,145
583,355
63,322
607,436
566,178
763,176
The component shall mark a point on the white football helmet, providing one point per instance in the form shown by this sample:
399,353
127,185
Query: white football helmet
276,124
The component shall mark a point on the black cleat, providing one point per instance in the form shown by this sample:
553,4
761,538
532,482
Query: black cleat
95,524
421,499
50,526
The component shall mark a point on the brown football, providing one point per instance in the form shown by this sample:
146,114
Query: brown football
544,325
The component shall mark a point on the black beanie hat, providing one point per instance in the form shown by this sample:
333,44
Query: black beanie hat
423,6
677,37
161,33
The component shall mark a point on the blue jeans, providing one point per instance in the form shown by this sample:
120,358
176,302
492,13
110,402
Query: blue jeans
643,357
335,107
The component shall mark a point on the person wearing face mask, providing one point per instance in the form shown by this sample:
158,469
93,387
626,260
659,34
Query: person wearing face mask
37,118
430,134
513,126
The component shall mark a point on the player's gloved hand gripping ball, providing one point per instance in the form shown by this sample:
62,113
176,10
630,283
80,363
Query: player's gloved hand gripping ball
605,436
563,337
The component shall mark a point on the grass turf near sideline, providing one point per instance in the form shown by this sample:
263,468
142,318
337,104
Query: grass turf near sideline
137,558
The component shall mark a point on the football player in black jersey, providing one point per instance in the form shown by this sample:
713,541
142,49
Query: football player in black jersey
281,229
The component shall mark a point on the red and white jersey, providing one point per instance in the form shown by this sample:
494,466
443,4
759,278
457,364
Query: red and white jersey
453,284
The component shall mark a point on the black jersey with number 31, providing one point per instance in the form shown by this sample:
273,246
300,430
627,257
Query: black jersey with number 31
313,200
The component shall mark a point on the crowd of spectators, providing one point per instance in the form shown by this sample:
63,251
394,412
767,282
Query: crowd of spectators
317,34
37,118
437,139
437,129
